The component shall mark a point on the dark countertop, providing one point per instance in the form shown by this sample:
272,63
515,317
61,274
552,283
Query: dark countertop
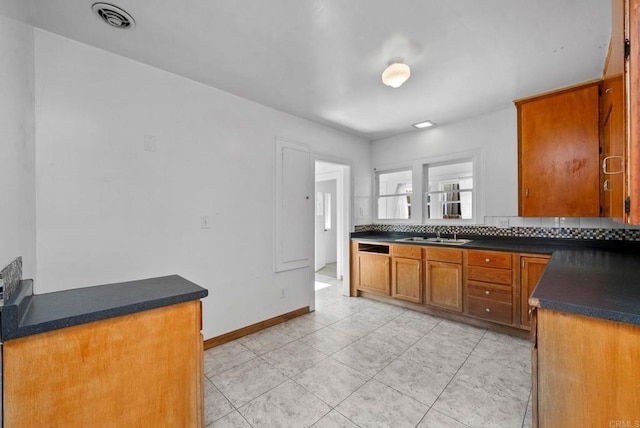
26,314
592,282
585,277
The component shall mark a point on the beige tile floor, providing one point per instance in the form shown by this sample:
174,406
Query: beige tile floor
360,363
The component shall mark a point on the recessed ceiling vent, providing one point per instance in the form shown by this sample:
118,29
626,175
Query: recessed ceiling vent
113,15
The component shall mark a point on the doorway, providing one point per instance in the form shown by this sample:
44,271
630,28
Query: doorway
332,225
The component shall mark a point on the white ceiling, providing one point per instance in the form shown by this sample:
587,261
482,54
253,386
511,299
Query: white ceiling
322,59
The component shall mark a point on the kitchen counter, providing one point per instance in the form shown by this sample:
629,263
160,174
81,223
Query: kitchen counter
592,278
26,314
592,282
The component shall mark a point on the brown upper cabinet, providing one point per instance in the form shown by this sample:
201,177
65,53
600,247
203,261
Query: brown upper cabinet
558,153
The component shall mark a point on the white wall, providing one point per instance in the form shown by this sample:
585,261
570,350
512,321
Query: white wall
109,211
495,134
17,144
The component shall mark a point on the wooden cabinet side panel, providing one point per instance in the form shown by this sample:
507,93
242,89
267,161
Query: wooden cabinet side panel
444,285
588,371
142,369
559,154
355,271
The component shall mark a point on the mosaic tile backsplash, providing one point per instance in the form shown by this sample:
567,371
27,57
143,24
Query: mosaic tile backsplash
619,233
10,277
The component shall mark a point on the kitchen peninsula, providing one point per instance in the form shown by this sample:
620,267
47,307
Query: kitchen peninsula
126,354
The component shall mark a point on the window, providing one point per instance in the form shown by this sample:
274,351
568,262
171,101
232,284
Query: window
394,190
449,191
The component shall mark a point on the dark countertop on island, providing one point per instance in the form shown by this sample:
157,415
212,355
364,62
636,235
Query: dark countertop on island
585,277
26,314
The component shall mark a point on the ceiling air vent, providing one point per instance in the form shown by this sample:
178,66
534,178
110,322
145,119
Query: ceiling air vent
113,15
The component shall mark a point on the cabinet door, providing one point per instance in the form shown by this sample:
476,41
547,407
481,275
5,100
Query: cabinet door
374,273
531,269
444,285
406,279
558,149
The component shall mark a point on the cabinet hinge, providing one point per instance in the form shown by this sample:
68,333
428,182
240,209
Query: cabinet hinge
627,48
627,205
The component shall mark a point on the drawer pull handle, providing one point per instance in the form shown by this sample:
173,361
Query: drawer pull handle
487,260
487,309
487,292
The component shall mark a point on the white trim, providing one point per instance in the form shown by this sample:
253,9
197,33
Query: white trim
344,210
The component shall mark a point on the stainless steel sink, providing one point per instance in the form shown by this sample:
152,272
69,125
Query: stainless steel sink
413,239
448,241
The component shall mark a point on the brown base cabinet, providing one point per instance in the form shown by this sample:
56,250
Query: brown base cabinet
444,278
585,371
406,273
374,273
487,286
531,269
138,370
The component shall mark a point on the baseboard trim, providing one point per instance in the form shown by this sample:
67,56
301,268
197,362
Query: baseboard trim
236,334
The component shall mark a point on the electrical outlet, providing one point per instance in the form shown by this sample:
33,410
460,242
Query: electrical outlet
205,222
502,222
283,293
150,143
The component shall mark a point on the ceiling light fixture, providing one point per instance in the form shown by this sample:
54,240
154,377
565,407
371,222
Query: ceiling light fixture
424,124
396,74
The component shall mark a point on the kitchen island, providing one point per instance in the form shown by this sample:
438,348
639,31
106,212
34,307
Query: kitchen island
126,354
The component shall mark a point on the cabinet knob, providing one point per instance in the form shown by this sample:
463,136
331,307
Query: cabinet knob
487,260
526,193
487,309
487,292
608,90
530,312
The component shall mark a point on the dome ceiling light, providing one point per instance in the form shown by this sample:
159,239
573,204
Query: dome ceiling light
396,74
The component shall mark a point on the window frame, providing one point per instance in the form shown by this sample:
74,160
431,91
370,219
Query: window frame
377,196
477,216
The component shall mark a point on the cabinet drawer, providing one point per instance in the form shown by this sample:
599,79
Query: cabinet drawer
490,310
490,292
489,259
407,251
485,274
444,255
